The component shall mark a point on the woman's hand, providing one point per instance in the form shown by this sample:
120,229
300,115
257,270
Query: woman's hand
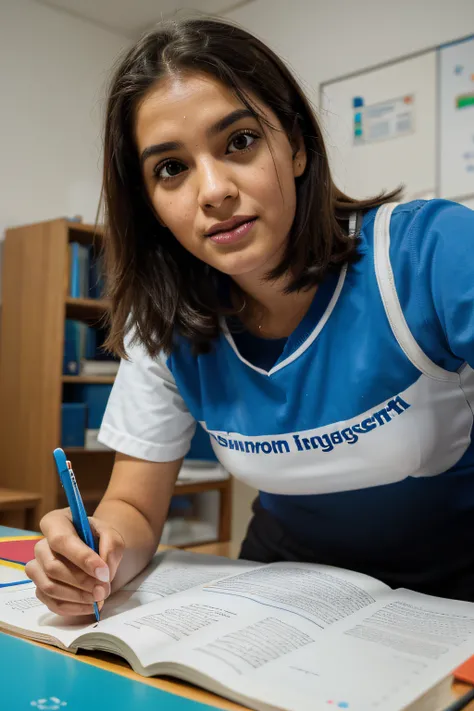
70,576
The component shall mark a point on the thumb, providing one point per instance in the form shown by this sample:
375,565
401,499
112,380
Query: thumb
111,545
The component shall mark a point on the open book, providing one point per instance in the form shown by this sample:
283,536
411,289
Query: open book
290,636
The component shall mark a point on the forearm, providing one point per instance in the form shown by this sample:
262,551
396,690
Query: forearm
139,538
136,505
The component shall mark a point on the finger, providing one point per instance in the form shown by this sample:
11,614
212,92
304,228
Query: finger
58,591
63,539
60,570
64,608
111,545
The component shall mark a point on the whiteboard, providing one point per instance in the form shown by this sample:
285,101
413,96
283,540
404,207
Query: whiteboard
456,113
362,168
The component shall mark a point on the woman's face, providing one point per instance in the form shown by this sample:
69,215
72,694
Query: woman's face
223,188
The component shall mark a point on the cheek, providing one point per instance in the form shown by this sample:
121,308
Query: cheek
278,194
176,212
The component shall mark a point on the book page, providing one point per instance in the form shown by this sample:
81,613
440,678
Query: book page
382,656
20,609
317,594
175,571
166,574
164,630
321,594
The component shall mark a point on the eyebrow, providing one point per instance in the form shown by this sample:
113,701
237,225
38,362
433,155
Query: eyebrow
228,120
215,129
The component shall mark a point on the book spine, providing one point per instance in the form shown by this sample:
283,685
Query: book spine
74,274
91,343
72,348
84,270
96,280
79,270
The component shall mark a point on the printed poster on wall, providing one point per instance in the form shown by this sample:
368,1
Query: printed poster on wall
380,128
456,116
384,120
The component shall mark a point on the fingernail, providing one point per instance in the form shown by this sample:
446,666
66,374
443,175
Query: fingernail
98,593
100,605
102,574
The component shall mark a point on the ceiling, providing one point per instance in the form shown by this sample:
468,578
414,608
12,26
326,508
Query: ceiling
131,17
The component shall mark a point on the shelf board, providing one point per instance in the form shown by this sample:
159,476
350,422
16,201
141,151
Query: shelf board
89,310
198,487
84,234
180,489
92,379
83,227
88,496
83,450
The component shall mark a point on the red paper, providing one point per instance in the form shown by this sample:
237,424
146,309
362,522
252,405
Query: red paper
20,551
465,672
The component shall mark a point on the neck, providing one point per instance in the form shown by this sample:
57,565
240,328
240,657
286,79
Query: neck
266,295
269,311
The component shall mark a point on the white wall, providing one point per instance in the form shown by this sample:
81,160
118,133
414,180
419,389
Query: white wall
52,73
324,39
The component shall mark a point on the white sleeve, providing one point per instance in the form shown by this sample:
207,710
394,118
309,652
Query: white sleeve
146,416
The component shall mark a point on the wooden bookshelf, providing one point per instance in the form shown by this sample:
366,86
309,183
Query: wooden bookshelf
85,379
35,304
88,310
81,230
71,451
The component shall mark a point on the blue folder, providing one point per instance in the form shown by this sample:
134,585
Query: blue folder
37,678
7,531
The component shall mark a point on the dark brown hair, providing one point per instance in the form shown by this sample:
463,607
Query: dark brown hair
155,285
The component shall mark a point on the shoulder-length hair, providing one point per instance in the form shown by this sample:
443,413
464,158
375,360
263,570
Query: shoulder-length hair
156,286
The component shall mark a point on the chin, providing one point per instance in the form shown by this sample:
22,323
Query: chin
241,267
248,262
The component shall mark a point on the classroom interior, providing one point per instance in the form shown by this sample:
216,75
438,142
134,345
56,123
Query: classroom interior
393,87
55,59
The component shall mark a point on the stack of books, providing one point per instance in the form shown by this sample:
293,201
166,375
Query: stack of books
84,353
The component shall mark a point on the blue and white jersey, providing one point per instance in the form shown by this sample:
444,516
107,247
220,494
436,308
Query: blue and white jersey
359,436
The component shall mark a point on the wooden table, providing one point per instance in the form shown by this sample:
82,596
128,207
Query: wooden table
436,700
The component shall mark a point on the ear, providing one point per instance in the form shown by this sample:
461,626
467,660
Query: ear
299,157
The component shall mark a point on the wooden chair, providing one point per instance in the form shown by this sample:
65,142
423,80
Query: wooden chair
18,509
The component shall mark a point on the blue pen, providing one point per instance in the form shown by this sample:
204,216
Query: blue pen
74,499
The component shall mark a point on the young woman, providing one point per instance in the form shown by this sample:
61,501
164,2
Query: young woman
324,343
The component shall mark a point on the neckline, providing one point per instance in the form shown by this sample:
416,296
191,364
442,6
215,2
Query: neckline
309,328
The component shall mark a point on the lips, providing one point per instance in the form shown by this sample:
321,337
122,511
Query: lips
238,231
229,225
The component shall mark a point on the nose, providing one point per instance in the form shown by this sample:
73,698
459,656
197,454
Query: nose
216,184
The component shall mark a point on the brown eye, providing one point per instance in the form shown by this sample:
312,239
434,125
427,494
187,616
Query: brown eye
169,169
241,142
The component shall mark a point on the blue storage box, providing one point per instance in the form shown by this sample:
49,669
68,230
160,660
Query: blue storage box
80,341
73,424
94,397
